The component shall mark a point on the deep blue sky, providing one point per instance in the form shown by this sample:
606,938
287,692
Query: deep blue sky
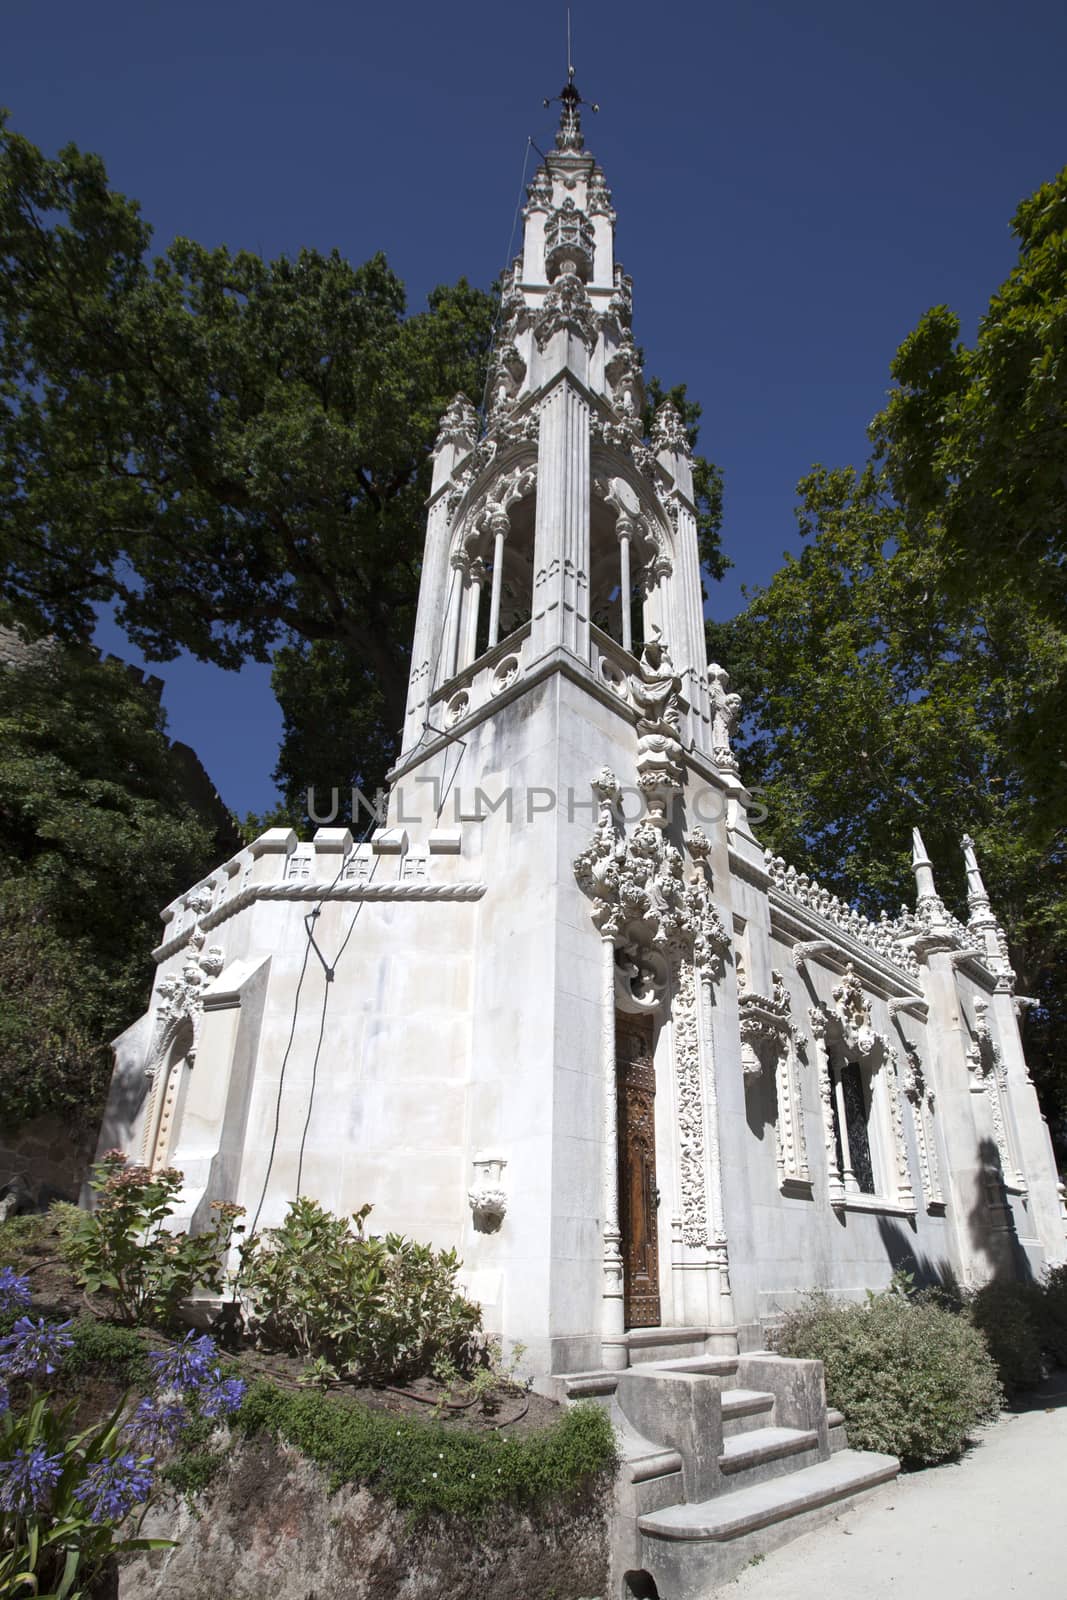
795,184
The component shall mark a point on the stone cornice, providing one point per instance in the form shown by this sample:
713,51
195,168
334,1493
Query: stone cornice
838,948
318,892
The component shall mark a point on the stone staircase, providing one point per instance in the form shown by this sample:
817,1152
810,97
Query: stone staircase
724,1457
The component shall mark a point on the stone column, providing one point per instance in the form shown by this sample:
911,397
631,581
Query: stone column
500,527
450,655
848,1177
624,529
561,537
720,1249
613,1354
824,1077
472,603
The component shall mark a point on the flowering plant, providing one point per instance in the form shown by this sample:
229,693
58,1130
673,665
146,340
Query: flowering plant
123,1245
63,1495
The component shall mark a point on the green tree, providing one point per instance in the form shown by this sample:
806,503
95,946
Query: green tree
95,837
233,452
977,436
875,700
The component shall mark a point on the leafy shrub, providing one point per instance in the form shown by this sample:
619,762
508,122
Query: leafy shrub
123,1246
1010,1317
1054,1314
353,1303
21,1237
911,1378
426,1466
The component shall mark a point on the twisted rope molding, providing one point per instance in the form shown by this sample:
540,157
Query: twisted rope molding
319,892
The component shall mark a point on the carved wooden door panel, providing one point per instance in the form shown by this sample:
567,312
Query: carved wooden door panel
637,1170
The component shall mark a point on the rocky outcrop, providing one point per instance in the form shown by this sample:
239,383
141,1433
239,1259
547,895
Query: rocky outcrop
268,1525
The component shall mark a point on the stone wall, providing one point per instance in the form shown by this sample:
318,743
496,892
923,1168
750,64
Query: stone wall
52,1157
269,1526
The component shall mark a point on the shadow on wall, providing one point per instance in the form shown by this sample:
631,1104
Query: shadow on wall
990,1226
928,1272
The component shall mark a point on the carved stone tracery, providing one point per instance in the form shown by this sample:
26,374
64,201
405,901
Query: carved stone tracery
769,1036
920,1096
989,1075
668,938
178,1017
845,1030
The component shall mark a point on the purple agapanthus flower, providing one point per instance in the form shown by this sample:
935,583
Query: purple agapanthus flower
5,1398
156,1423
185,1366
34,1349
115,1485
27,1480
14,1290
221,1397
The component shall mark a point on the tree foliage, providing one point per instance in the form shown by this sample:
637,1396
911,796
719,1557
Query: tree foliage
977,436
233,452
95,837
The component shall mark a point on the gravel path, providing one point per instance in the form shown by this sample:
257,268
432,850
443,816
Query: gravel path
989,1526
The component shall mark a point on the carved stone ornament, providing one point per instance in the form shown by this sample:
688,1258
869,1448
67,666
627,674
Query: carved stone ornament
921,1099
655,693
668,430
598,196
853,1013
764,1020
568,242
846,1027
769,1037
487,1196
459,425
989,1076
180,1009
539,192
506,372
887,937
566,306
644,901
725,710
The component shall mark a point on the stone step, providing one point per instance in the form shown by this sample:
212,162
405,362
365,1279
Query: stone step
745,1511
750,1458
659,1344
745,1409
589,1385
710,1366
691,1550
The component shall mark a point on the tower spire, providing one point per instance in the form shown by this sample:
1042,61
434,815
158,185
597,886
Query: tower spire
569,133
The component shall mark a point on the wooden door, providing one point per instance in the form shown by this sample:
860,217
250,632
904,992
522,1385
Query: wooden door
638,1194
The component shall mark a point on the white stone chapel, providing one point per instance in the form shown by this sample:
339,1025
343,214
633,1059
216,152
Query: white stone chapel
560,1009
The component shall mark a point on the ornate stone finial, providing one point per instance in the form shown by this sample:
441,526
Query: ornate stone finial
977,896
668,430
725,710
569,133
922,867
459,425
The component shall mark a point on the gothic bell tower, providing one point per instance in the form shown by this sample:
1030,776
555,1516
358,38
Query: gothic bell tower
560,692
559,529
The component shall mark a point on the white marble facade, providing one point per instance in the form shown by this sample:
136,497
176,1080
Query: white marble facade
425,1017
